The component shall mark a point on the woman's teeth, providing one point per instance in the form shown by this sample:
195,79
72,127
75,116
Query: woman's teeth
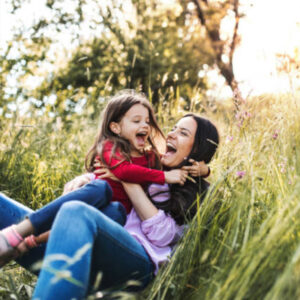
171,148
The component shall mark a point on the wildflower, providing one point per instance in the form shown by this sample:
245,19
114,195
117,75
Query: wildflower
229,138
247,114
275,134
282,167
240,123
240,174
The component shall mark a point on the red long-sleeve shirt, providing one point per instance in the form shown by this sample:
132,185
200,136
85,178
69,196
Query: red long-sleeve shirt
136,171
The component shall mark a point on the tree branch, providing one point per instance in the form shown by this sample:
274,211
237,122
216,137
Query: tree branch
234,41
199,12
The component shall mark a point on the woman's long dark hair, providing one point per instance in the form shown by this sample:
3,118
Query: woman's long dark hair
114,112
181,205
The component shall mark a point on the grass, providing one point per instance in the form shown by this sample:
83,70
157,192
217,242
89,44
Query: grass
245,242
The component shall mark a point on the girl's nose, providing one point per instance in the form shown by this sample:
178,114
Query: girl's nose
146,125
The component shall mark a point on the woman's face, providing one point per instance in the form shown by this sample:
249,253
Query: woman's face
180,141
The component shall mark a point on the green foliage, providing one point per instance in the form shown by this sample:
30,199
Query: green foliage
243,244
37,157
151,47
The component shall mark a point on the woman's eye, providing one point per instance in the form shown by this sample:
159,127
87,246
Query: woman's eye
184,133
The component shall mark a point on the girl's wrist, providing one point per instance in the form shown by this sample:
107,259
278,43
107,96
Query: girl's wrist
207,174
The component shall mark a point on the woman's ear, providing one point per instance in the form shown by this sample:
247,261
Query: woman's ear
115,128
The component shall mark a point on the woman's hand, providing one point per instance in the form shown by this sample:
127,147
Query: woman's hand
176,176
197,169
76,183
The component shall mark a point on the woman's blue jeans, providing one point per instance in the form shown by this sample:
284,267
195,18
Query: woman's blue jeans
83,243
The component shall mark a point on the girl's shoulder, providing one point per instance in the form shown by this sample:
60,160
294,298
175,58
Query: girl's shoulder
108,151
107,145
152,157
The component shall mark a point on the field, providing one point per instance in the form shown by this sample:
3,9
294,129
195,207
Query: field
245,241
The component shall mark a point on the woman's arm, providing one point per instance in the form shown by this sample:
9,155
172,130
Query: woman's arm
159,228
78,182
143,206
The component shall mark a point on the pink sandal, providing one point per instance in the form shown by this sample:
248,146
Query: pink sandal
9,240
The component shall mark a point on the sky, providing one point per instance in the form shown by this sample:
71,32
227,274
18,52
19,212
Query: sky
270,27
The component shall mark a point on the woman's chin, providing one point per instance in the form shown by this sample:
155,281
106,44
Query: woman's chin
169,160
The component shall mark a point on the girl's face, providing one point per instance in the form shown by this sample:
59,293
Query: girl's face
134,127
180,141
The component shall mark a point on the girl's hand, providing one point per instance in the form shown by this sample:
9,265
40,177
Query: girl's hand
102,172
176,176
25,246
197,169
76,183
105,173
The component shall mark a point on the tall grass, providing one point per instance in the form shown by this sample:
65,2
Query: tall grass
245,242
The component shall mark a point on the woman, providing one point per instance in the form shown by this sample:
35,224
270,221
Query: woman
84,241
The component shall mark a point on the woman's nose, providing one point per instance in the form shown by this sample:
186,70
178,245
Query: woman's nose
171,134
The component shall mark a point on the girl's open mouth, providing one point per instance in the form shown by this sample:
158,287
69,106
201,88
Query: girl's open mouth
141,138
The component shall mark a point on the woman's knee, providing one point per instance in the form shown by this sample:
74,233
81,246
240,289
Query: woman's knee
116,211
74,209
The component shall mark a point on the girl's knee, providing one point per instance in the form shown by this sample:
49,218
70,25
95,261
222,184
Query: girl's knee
102,188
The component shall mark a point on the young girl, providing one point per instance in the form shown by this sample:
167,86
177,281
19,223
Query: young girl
128,128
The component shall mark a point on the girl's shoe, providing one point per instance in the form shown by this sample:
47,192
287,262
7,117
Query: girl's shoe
9,240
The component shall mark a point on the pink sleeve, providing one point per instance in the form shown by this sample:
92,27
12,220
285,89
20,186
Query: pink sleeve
161,230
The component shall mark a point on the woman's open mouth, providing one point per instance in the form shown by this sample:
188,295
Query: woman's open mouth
171,149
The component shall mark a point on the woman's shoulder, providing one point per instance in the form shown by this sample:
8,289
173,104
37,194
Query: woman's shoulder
159,192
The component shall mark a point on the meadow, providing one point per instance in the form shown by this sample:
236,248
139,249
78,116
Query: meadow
244,243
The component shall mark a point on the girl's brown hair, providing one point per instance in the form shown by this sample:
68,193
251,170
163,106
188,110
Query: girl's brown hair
114,112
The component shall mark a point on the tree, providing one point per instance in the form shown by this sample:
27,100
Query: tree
129,44
210,14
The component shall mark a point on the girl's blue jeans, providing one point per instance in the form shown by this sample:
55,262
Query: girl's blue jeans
97,194
83,243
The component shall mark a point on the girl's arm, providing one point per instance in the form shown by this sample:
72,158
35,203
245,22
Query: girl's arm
197,169
132,173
